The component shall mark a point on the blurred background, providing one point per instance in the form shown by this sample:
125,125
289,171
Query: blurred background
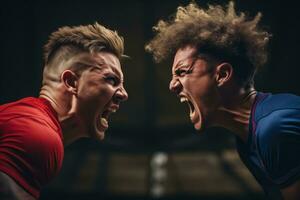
151,150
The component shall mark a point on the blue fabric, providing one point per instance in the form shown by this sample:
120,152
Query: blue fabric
272,151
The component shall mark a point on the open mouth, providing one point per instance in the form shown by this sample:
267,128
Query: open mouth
195,114
191,107
103,119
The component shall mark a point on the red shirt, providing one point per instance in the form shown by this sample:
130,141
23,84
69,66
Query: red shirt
31,147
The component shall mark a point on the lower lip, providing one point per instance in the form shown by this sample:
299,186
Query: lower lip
100,126
193,117
196,120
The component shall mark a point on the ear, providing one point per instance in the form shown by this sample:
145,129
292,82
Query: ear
223,73
70,80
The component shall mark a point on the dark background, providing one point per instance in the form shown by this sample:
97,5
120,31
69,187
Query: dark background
152,120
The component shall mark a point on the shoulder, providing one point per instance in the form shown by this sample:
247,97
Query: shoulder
25,105
276,116
274,102
278,136
29,111
28,121
279,121
32,136
31,141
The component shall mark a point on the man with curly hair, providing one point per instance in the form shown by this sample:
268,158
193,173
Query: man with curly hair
82,85
216,54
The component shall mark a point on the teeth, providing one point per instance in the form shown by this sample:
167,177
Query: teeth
183,99
103,121
114,110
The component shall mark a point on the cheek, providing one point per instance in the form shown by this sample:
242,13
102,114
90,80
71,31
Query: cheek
93,88
91,101
95,94
204,92
201,87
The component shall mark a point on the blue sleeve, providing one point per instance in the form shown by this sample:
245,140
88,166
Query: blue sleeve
278,141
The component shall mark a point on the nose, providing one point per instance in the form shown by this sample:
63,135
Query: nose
121,94
175,86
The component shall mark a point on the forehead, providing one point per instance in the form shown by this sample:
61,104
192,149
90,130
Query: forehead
102,60
107,61
183,54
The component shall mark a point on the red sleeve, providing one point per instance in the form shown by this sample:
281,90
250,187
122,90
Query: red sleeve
31,151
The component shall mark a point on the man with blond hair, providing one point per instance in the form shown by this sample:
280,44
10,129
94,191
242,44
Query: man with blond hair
216,53
82,85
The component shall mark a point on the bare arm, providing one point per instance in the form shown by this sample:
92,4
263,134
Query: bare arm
291,192
10,190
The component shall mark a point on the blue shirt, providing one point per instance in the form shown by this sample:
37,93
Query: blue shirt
272,150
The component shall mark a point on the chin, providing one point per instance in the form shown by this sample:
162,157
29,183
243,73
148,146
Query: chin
203,125
199,126
100,136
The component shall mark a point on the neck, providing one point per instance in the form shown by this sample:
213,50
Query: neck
71,129
65,107
235,115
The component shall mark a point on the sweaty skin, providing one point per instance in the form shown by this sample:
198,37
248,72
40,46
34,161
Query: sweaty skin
84,102
206,92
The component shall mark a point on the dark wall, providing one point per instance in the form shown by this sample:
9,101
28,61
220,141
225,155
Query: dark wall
152,118
25,26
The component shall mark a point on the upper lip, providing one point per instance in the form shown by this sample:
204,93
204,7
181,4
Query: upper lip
183,98
113,108
109,110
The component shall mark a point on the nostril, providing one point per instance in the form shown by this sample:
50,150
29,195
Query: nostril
171,86
121,96
175,86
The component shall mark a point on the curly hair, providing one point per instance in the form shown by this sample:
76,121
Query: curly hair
90,38
218,31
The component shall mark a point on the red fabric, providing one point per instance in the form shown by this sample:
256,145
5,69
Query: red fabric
31,147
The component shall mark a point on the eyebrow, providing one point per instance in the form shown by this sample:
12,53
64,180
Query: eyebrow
118,74
115,71
179,64
100,65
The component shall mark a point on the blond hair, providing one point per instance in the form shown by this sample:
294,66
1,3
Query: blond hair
218,31
90,38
